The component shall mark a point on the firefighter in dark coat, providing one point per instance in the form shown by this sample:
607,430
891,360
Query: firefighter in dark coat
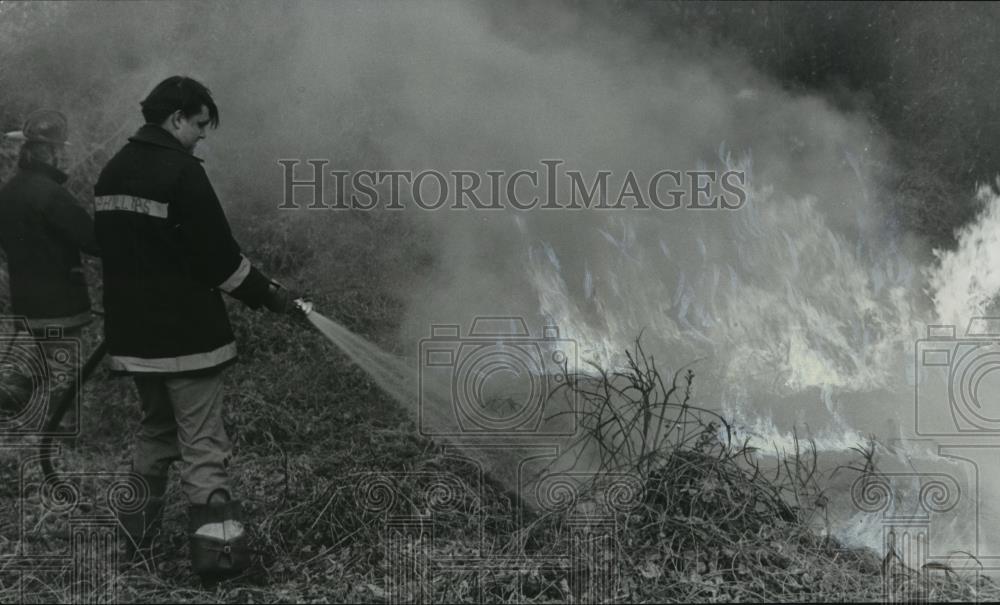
168,254
43,230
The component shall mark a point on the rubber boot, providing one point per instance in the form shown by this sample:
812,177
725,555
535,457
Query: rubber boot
220,545
137,529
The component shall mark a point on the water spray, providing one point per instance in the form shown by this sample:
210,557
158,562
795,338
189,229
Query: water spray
397,378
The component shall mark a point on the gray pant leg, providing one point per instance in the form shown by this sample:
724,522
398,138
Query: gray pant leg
198,405
156,444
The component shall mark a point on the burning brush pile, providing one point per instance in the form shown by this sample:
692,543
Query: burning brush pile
670,507
704,520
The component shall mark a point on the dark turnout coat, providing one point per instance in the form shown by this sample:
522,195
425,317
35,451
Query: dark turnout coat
42,232
167,254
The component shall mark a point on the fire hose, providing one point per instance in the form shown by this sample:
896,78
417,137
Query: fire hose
62,405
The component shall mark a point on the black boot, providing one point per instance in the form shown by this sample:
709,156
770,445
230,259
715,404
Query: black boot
220,546
138,528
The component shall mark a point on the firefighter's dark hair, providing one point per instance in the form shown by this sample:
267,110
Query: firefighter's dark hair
179,92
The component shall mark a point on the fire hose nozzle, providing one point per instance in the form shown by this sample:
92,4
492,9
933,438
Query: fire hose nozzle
304,306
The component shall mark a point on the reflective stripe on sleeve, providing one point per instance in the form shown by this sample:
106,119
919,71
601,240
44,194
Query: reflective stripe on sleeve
130,203
183,363
233,281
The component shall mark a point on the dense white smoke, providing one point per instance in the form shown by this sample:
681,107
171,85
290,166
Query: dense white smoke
802,288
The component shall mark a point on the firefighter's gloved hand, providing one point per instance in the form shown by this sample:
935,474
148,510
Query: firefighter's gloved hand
280,299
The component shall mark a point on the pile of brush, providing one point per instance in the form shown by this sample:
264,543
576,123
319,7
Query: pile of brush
707,521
